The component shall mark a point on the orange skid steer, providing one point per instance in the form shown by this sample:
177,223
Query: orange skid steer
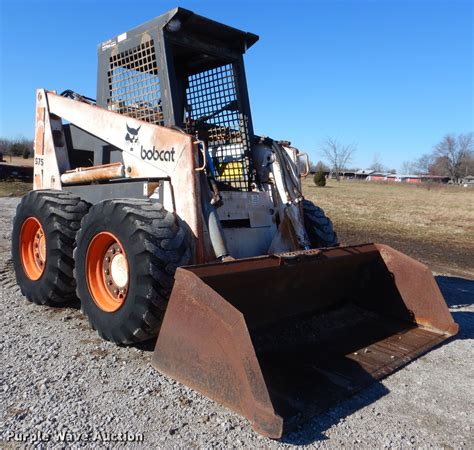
167,216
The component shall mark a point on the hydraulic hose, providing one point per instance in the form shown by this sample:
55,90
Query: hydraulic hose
216,234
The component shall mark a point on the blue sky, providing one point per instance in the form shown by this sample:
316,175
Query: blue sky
391,76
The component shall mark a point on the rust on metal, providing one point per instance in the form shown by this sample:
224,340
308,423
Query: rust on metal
282,337
306,163
39,146
39,132
116,271
112,128
49,160
95,173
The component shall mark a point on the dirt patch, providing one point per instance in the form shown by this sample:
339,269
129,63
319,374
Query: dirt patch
453,259
14,188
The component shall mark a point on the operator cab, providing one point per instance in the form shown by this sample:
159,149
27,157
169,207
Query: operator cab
184,70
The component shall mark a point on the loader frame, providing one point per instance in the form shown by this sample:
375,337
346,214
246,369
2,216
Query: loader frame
177,167
262,321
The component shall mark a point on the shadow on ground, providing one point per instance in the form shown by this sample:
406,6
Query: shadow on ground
315,428
459,294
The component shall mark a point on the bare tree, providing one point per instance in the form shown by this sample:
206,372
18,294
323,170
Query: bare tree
314,167
4,144
406,167
453,157
423,165
466,144
337,155
320,165
377,164
468,165
455,151
439,166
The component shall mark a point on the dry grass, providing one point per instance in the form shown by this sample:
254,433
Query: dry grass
14,188
435,225
18,160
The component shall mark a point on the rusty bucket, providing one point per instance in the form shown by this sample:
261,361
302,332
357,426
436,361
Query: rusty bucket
282,337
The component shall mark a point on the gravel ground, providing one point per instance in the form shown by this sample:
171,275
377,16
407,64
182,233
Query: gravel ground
60,383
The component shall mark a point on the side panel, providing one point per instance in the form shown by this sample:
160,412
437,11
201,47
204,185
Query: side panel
51,158
39,143
204,343
149,151
248,220
95,193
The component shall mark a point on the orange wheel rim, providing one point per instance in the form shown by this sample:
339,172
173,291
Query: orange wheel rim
32,248
107,272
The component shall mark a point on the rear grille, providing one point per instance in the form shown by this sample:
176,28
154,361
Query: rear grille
213,113
134,84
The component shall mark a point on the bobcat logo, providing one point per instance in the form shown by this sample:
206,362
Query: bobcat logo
132,136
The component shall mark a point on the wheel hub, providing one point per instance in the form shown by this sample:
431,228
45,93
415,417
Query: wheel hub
116,271
33,248
107,272
39,245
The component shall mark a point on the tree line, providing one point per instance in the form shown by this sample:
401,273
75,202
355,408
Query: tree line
16,147
452,157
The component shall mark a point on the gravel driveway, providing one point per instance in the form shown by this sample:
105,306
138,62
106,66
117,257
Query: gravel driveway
60,383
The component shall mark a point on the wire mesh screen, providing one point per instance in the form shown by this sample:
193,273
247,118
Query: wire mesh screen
134,84
213,113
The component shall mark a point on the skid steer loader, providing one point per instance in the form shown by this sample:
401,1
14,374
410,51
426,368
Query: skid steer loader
166,215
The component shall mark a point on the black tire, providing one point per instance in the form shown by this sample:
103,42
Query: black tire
318,226
59,214
155,244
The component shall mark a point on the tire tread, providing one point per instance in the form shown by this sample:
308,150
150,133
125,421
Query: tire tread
163,248
63,213
318,226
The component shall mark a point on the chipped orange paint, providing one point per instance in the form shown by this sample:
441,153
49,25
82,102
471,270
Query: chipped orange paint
111,127
39,147
95,173
39,132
